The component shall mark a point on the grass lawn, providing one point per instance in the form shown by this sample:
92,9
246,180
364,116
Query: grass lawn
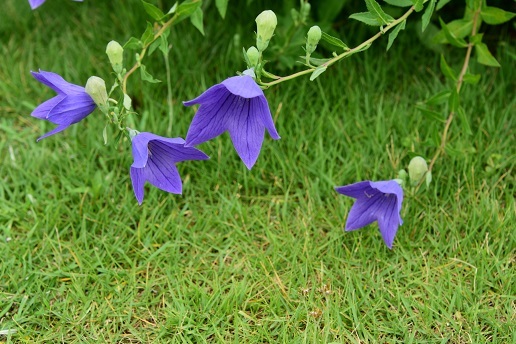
254,256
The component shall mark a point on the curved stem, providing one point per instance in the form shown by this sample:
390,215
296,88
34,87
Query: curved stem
347,53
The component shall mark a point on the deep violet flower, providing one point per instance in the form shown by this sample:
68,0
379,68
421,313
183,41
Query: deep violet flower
36,3
70,106
154,161
375,201
239,106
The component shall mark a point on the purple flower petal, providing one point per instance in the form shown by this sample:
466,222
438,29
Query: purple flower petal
154,161
375,201
35,3
236,105
57,83
44,109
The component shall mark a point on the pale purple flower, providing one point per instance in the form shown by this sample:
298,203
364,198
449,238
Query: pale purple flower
239,106
375,201
154,161
36,3
70,106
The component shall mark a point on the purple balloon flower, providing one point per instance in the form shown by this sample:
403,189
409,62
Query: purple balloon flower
375,201
239,106
154,161
36,3
70,106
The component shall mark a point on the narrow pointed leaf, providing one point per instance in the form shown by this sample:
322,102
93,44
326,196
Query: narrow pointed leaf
399,3
186,9
418,4
441,4
454,101
431,114
222,6
484,56
196,19
472,79
366,18
446,70
148,35
318,71
153,11
451,38
495,16
439,98
376,10
146,75
394,33
427,15
333,41
466,129
460,29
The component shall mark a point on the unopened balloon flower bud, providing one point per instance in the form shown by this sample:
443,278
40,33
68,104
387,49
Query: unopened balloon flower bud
253,55
115,53
265,25
96,88
312,38
305,10
417,169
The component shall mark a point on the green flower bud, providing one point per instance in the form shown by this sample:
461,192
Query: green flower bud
417,169
265,25
115,53
312,39
96,88
305,10
253,55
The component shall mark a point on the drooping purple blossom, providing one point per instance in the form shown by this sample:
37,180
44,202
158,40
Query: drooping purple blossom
70,106
239,106
154,161
36,3
375,201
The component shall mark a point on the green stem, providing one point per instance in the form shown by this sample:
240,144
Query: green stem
347,53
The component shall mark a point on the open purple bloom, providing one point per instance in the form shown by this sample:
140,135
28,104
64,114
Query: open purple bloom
70,106
36,3
154,161
239,106
375,201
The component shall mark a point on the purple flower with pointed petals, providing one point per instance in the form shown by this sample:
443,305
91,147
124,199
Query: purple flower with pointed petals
36,3
154,161
239,106
375,201
70,106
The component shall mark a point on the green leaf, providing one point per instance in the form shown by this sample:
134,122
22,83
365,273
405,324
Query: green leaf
466,129
471,78
222,6
418,4
394,33
314,61
186,9
439,98
365,17
148,35
446,70
428,178
153,11
454,101
451,38
427,15
196,19
172,9
484,56
376,10
460,29
441,4
431,114
146,76
133,43
127,102
399,3
495,16
334,41
318,71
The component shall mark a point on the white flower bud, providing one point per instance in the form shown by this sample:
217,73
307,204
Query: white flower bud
265,25
96,88
253,55
312,38
115,53
417,169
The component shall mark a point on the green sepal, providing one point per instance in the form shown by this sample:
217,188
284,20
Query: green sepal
318,71
153,11
334,41
394,33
